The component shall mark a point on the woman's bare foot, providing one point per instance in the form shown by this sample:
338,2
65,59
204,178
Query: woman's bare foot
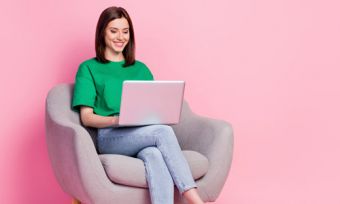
192,196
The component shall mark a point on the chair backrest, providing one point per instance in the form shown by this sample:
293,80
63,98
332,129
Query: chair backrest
59,107
59,101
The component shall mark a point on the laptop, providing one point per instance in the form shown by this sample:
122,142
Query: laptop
146,102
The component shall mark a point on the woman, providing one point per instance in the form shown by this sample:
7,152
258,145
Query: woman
100,77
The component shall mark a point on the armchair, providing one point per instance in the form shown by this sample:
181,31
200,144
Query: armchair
93,178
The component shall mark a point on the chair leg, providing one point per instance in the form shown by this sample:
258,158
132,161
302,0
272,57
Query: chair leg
75,201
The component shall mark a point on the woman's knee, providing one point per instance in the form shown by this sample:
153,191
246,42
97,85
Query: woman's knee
164,132
150,153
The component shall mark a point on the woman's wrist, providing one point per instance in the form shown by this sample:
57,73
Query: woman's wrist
114,120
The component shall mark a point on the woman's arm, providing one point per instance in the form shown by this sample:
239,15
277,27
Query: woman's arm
90,119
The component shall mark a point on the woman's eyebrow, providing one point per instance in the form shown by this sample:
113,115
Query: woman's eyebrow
117,28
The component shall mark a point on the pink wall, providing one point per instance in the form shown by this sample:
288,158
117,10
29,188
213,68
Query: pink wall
271,68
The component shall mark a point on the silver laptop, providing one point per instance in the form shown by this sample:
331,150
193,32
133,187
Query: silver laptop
151,102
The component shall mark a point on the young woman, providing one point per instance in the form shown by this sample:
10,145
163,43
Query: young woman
97,93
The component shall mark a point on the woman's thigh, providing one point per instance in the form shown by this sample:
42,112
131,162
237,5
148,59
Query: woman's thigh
130,140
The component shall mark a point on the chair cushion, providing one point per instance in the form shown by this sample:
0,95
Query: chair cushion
130,171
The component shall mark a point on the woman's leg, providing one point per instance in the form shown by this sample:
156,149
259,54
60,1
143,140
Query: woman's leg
192,196
129,141
159,180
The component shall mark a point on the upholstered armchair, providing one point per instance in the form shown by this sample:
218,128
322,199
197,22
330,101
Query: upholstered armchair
94,178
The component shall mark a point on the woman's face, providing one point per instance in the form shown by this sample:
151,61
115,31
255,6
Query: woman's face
117,34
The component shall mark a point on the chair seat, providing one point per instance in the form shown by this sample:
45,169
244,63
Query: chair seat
130,171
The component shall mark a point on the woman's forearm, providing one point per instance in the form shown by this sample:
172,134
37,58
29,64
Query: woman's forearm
98,121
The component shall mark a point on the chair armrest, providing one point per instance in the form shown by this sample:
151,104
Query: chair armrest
214,139
74,159
219,152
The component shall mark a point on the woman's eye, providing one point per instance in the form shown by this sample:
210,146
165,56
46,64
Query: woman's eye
112,31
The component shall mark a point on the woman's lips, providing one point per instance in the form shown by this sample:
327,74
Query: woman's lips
120,44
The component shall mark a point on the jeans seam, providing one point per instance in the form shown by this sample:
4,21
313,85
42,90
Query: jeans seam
148,178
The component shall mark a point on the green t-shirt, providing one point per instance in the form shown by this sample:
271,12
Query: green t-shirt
99,85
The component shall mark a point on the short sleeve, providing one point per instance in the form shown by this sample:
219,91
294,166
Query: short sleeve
148,74
84,89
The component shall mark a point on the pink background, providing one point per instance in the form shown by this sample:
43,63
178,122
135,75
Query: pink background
271,68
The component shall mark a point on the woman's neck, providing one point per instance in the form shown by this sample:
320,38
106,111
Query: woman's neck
113,56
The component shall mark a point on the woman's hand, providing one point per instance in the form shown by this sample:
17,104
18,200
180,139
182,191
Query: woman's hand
115,121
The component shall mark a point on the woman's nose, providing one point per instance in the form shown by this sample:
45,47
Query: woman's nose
119,35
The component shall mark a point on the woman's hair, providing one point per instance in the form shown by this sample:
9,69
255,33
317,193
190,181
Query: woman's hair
106,16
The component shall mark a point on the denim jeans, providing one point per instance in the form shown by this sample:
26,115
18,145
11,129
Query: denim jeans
158,147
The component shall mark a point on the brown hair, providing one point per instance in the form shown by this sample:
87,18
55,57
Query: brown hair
106,16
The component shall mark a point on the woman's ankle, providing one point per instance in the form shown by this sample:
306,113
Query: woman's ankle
192,196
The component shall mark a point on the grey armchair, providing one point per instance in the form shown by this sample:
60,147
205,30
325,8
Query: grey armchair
94,178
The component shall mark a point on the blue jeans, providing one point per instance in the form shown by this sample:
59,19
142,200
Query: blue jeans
158,147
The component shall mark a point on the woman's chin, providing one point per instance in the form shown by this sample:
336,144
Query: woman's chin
117,50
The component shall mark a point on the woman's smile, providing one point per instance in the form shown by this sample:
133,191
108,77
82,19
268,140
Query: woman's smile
118,44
